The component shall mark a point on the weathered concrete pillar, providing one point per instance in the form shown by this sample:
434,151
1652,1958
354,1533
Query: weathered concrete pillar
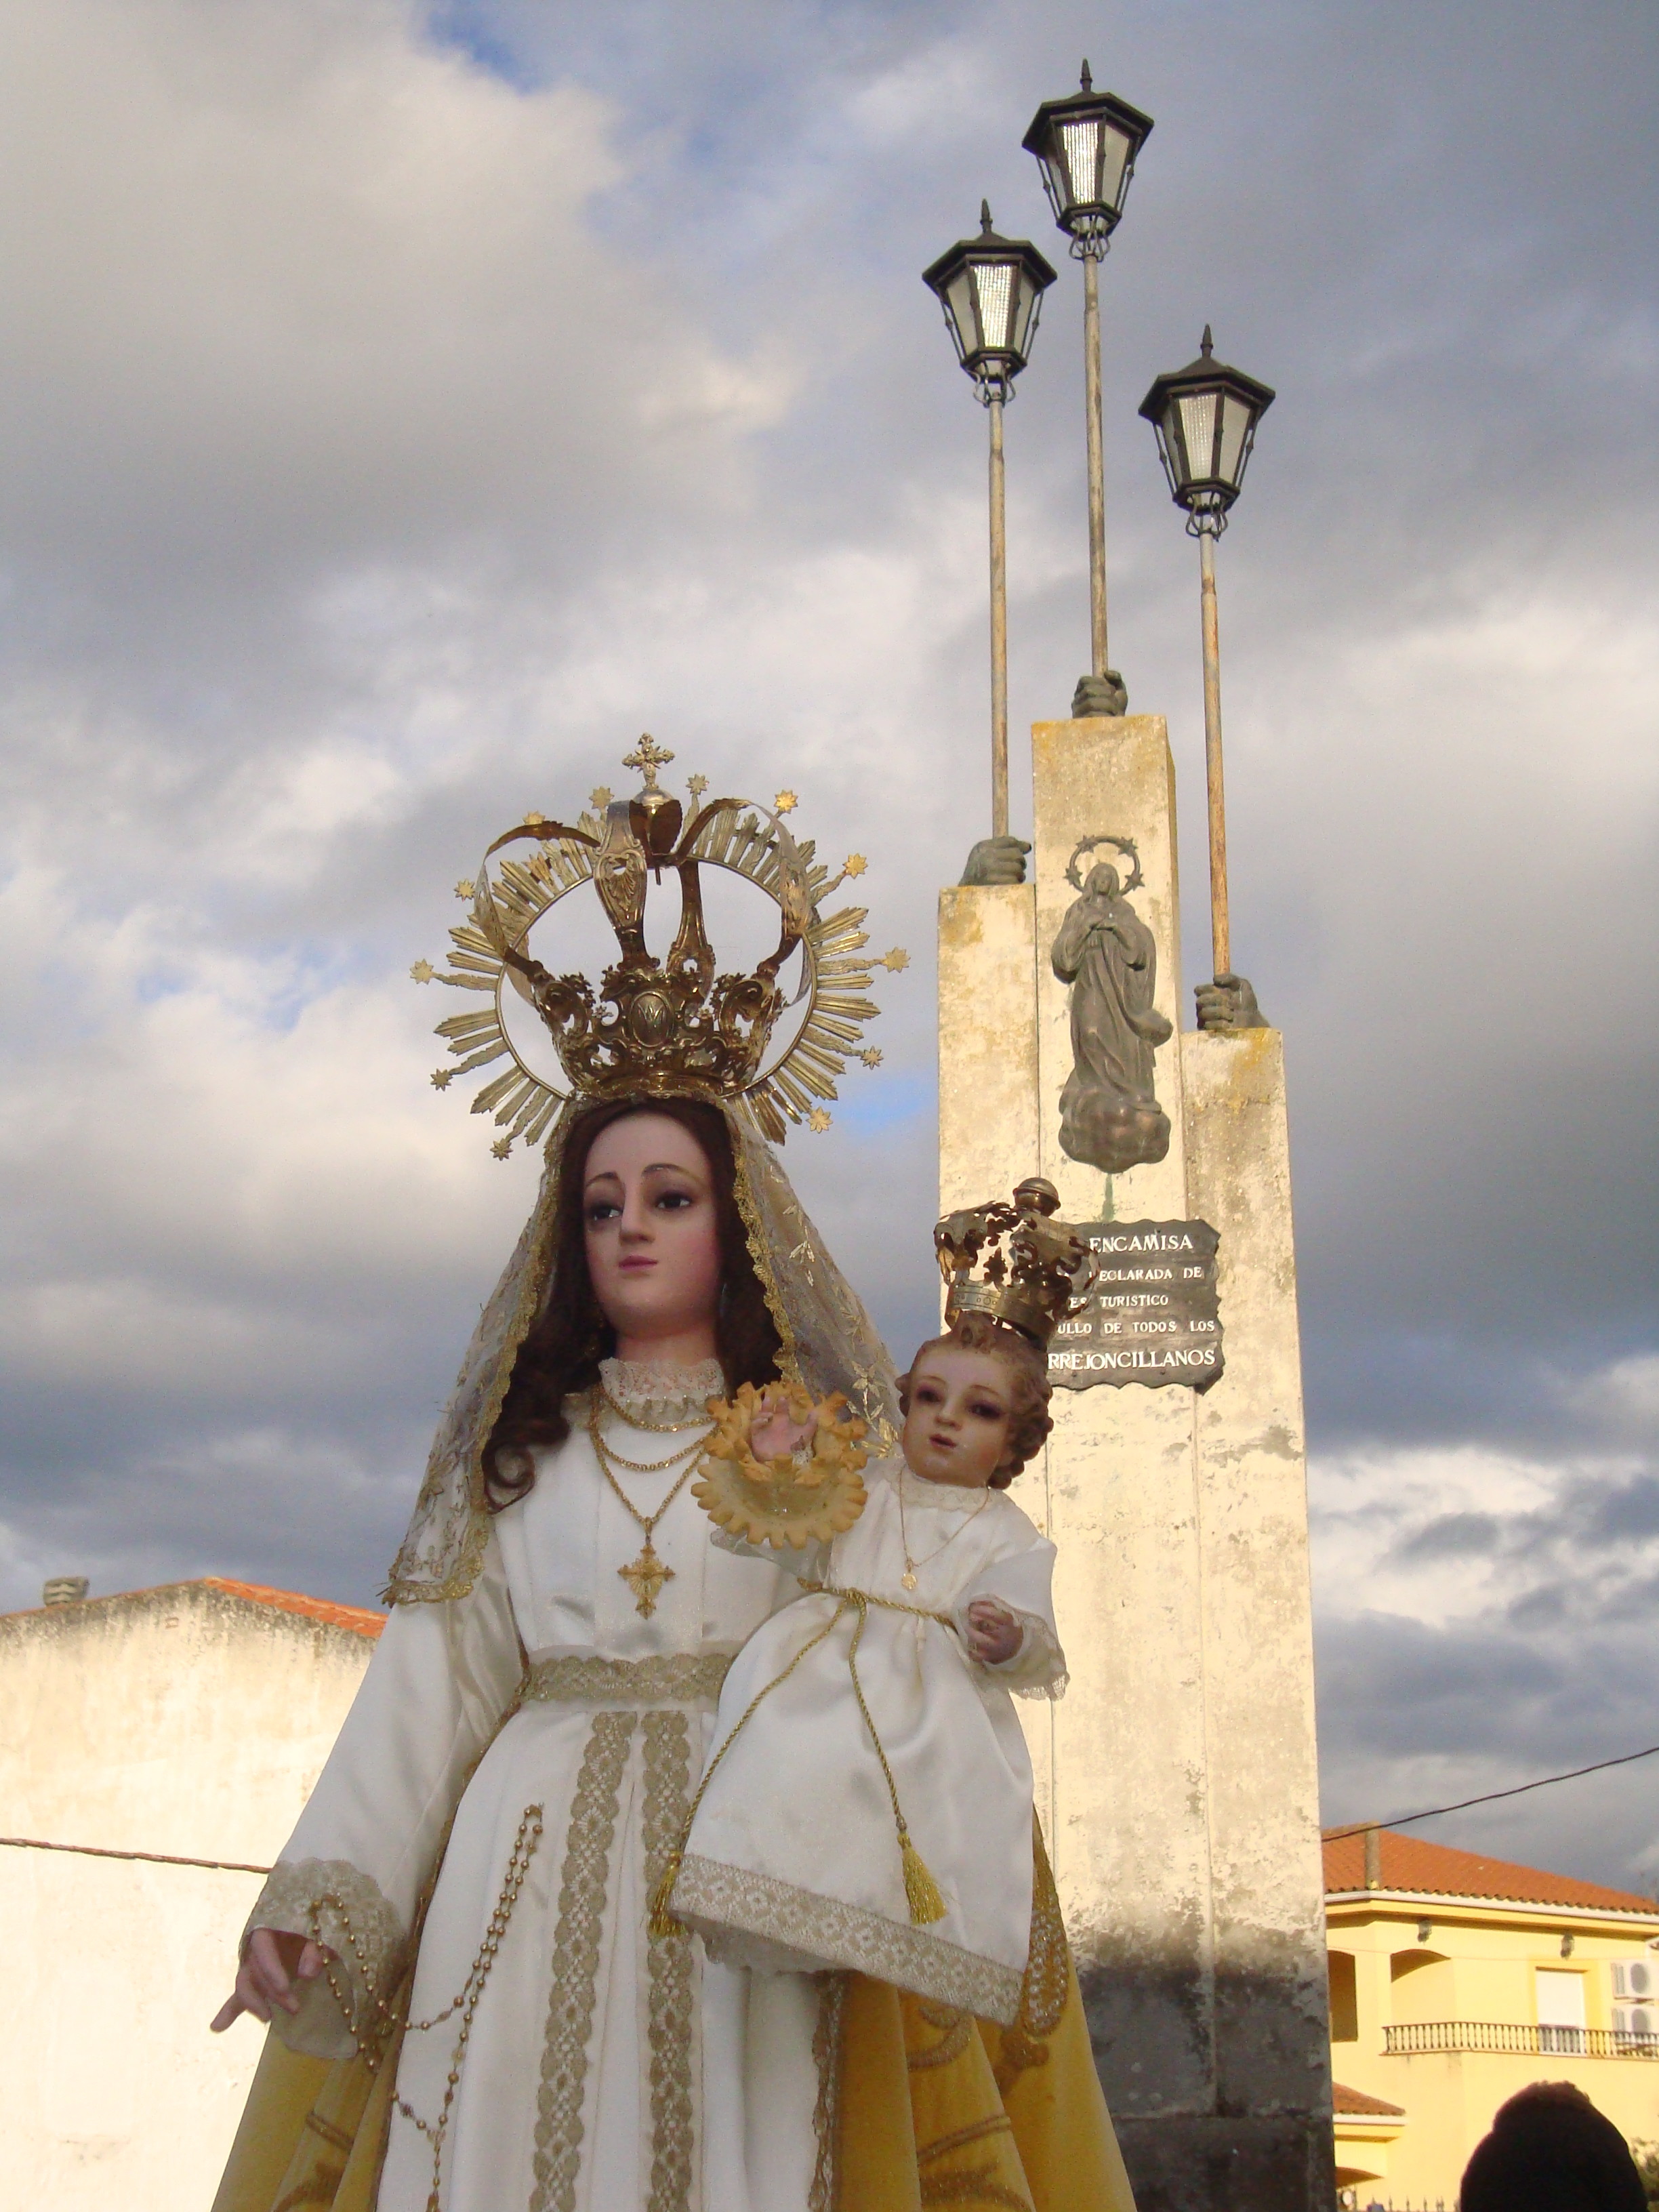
988,1063
1177,1780
987,1101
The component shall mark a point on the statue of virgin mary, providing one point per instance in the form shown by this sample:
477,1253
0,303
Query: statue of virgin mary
468,2010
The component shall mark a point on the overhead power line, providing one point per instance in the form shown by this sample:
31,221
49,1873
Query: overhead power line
148,1858
1329,1835
1490,1797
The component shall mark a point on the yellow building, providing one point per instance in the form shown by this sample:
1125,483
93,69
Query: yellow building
1456,1980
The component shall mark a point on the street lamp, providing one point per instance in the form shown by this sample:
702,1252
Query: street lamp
1205,417
1086,148
990,289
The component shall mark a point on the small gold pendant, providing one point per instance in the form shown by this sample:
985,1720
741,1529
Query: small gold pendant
645,1576
909,1578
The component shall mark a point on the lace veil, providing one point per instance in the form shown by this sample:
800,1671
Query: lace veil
830,1343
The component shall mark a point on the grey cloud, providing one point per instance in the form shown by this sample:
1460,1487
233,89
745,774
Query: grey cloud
1414,1717
1623,1511
1590,1515
1513,1639
1548,1606
321,1520
376,467
324,301
1453,1536
1403,1686
1634,1603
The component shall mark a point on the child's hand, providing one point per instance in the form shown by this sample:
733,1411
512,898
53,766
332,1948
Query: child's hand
994,1634
777,1436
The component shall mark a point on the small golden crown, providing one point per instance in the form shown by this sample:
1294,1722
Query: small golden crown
657,1028
1038,1269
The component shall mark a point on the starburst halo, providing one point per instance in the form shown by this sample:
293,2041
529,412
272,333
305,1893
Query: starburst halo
741,837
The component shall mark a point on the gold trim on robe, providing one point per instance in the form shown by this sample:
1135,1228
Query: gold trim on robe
583,1884
920,2104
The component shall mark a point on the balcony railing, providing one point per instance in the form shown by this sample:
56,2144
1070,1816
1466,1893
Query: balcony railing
1416,2036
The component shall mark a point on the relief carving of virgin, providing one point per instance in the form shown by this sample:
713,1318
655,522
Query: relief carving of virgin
1109,1115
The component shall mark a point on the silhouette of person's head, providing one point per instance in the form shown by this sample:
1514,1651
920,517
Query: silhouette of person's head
1550,2150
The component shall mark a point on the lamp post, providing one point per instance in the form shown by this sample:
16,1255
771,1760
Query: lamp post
990,289
1205,417
1086,148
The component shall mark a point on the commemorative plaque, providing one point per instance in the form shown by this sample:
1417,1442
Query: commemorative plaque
1152,1316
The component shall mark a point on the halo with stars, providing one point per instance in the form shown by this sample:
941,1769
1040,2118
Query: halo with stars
740,836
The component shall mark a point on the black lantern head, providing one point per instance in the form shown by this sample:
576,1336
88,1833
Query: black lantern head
990,289
1205,417
1086,147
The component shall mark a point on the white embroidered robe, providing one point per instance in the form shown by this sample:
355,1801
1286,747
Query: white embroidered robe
601,2071
794,1859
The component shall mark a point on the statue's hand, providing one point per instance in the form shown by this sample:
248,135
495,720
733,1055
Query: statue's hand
996,860
273,1963
777,1436
1099,695
1228,1005
993,1635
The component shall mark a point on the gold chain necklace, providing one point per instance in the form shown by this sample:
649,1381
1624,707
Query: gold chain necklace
645,1575
653,1428
909,1578
650,1466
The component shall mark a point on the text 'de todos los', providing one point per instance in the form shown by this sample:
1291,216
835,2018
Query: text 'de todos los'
1153,1315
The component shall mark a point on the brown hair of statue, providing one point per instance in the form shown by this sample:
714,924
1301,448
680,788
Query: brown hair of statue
560,1353
1028,1388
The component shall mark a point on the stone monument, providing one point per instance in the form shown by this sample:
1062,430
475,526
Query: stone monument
1177,1780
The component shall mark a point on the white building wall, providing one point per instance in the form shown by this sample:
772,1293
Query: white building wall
190,1721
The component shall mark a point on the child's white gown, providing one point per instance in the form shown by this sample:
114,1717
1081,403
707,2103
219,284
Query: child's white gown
792,1862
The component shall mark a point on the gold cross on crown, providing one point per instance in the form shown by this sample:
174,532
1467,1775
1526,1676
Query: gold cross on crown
648,756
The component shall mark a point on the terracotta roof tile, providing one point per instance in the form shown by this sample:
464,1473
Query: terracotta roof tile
355,1617
1410,1864
1356,2102
358,1619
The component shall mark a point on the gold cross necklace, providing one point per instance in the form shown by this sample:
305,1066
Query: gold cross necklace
645,1575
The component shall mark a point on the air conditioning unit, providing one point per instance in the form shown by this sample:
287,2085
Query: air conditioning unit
1635,1979
1639,2022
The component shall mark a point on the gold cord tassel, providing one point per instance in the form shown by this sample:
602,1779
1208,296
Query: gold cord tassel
662,1921
920,1890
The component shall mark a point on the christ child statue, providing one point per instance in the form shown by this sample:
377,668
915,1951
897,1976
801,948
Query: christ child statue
867,1803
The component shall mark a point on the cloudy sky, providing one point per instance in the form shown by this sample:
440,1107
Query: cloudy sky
401,408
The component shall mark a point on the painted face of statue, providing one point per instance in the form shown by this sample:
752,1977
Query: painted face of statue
956,1429
653,1238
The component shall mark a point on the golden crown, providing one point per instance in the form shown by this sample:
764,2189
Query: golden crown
656,1028
1038,1269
